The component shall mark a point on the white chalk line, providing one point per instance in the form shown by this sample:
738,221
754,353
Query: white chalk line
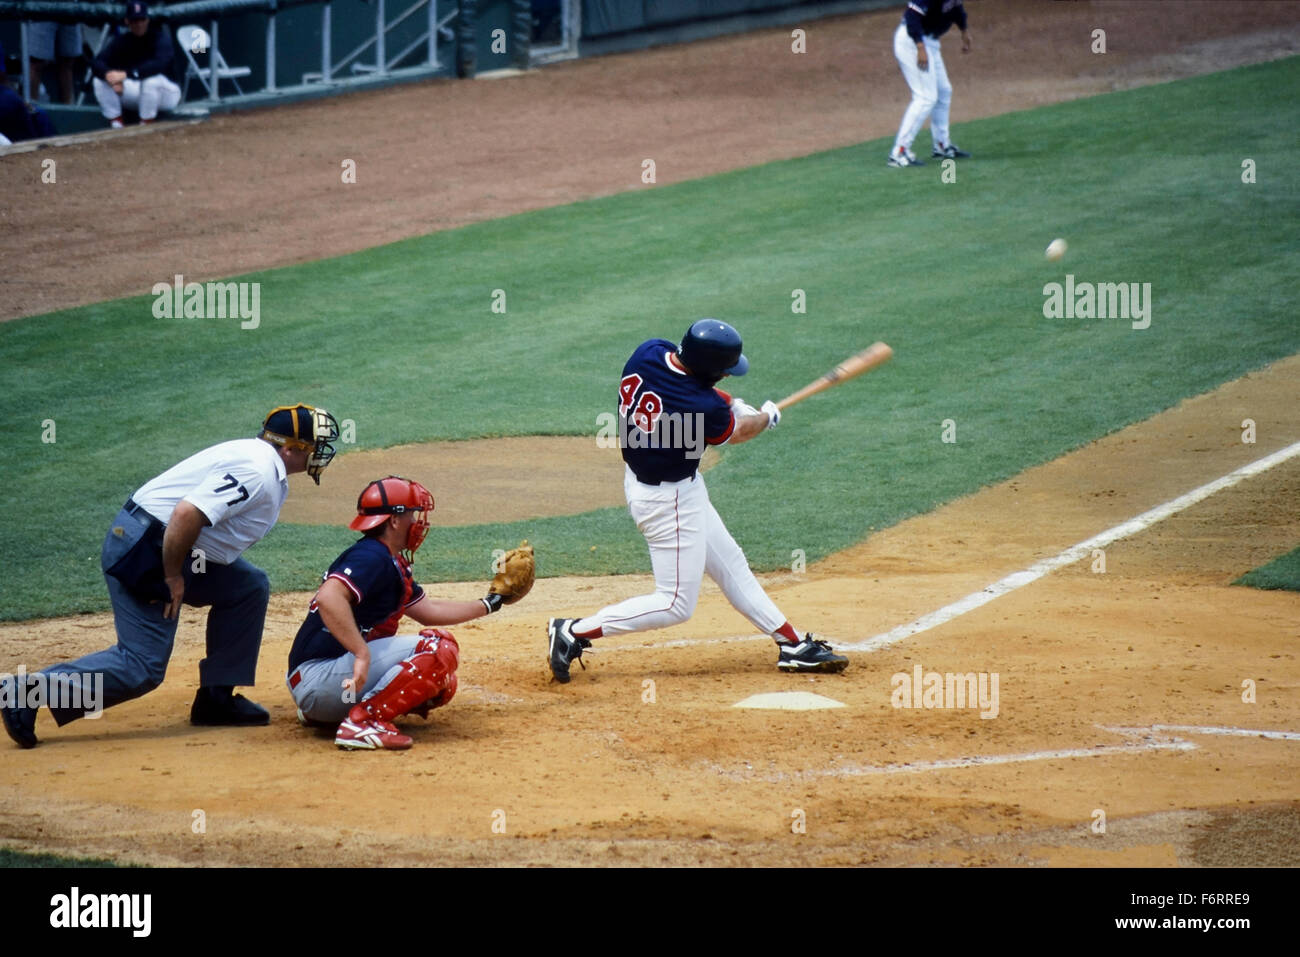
1201,729
983,760
675,643
1149,743
1068,557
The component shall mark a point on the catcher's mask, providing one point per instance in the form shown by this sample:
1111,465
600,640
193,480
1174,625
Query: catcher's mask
394,495
303,427
711,349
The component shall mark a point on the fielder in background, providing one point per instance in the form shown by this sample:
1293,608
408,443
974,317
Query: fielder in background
178,540
348,667
135,69
669,408
916,47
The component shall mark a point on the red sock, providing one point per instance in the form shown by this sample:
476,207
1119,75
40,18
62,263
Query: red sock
594,633
786,633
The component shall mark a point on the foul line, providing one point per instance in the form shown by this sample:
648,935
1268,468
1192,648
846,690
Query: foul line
1069,556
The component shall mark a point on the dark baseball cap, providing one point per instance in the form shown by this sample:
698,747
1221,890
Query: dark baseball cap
137,10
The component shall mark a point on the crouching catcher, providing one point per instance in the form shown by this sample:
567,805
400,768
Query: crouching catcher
348,666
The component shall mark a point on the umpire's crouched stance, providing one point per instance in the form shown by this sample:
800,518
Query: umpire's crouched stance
178,540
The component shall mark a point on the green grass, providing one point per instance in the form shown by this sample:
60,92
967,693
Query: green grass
1281,574
12,858
1144,184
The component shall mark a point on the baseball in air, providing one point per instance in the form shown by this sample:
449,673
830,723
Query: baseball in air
1056,249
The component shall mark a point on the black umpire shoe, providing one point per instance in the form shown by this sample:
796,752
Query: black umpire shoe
19,720
811,654
565,647
218,706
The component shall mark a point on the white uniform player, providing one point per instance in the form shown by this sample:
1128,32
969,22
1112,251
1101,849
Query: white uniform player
916,47
669,409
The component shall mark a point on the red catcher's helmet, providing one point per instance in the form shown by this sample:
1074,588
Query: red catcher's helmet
394,495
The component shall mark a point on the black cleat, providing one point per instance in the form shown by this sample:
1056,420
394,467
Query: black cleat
811,654
217,707
19,720
565,647
949,152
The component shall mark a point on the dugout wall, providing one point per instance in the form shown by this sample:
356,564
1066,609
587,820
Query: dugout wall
295,49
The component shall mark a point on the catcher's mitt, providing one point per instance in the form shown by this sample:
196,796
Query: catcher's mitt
515,579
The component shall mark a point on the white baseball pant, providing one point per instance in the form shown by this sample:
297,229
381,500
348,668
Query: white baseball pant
931,91
687,539
146,96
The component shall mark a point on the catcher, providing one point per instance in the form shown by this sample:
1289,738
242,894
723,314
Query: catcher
348,666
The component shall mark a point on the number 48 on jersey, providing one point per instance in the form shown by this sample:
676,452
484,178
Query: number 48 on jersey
645,410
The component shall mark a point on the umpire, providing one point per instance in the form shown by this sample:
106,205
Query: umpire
178,540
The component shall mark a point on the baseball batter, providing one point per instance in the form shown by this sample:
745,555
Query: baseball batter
916,47
348,666
669,408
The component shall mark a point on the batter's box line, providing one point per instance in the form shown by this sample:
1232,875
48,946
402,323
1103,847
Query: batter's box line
677,643
985,760
1071,555
1203,729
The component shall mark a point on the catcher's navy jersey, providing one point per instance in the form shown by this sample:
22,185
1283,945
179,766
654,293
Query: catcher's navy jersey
932,18
667,416
383,588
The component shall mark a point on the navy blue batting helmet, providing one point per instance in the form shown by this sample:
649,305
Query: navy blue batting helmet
711,349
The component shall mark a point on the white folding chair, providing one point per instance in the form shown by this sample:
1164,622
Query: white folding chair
194,40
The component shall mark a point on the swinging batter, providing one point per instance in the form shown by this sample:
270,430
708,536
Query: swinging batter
669,409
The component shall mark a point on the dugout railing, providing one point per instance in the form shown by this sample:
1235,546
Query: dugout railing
423,29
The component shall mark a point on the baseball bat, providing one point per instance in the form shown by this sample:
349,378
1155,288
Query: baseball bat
876,354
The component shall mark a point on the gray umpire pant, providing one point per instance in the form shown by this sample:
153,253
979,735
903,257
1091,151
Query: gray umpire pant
238,594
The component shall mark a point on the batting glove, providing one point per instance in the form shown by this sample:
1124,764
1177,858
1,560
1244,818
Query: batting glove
773,413
740,408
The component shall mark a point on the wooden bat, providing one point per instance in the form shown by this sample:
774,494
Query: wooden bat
870,357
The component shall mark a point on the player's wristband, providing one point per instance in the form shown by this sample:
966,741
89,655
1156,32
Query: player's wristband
492,603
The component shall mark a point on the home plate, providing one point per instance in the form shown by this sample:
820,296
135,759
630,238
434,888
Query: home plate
789,701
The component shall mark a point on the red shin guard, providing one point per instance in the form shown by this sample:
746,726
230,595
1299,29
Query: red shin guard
430,672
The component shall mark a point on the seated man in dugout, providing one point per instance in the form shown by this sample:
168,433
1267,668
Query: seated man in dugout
134,71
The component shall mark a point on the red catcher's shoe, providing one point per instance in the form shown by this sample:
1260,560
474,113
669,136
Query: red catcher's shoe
360,732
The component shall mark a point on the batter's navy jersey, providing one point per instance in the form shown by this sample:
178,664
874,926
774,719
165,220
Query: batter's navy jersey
667,416
932,18
383,587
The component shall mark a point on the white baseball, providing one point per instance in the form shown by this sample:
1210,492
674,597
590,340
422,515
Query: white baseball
1056,249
